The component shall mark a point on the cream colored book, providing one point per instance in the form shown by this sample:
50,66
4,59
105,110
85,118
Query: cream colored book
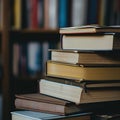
94,42
77,94
82,57
93,28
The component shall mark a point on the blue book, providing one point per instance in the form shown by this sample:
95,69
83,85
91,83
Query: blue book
30,115
63,13
34,56
92,17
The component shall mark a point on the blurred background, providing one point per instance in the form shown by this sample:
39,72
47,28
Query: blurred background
29,28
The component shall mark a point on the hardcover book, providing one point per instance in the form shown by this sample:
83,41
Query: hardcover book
90,29
77,94
82,57
43,103
30,115
94,42
86,84
86,72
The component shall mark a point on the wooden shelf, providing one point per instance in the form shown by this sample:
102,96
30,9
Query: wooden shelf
39,30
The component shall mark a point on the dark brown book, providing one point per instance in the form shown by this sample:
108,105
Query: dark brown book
43,103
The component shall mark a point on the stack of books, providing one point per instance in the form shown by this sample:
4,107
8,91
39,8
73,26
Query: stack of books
82,77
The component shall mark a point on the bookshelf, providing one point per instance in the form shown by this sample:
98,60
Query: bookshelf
11,34
5,59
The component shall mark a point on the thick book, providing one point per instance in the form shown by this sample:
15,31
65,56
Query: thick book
89,29
43,103
82,57
30,115
83,72
77,94
96,42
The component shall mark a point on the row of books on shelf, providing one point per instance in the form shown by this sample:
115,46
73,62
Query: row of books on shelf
74,89
52,14
29,58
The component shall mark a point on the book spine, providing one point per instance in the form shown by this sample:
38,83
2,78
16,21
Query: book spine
63,13
45,57
53,14
34,58
16,58
34,14
79,18
40,13
92,16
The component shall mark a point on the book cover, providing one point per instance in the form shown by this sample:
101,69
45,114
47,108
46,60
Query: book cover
63,13
53,14
40,13
34,14
42,103
77,94
34,57
85,57
87,85
30,115
93,28
95,42
92,12
79,18
83,72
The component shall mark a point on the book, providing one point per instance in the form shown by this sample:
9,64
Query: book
40,13
17,14
34,57
85,57
30,115
77,94
63,11
83,72
34,14
102,12
46,14
92,12
86,84
16,59
95,42
79,18
53,14
93,28
107,117
43,103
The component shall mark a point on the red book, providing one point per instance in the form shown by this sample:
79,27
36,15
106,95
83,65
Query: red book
34,14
